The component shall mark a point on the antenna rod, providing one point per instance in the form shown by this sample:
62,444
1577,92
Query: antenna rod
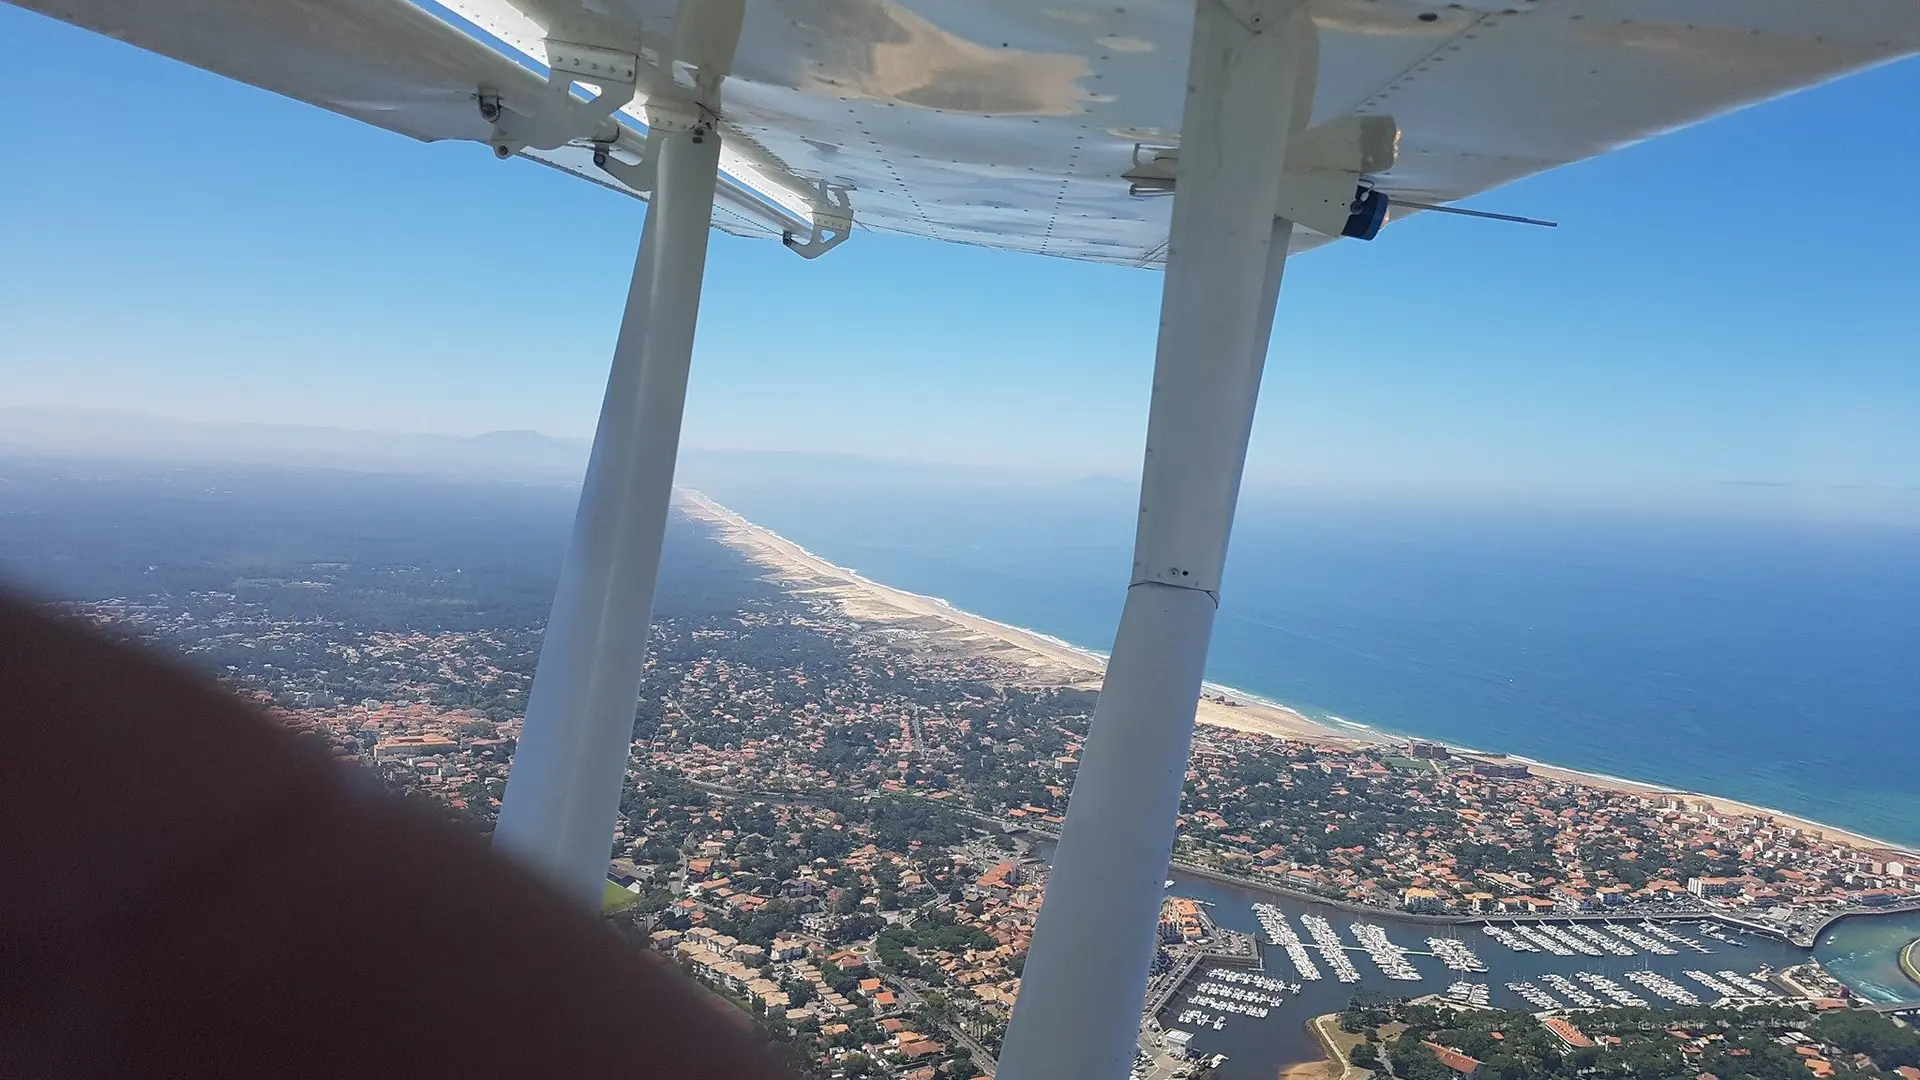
1398,201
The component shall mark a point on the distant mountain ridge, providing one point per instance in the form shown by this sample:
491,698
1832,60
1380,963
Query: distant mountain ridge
123,433
506,454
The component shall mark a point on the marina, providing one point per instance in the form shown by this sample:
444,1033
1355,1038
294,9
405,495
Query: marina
1748,986
1199,1018
1226,1005
1279,932
1713,983
1466,993
1240,994
1217,998
1543,940
1533,995
1722,934
1331,948
1644,941
1609,945
1659,930
1252,979
1571,991
1662,987
1454,953
1221,992
1568,940
1507,937
1520,973
1391,959
1590,939
1609,989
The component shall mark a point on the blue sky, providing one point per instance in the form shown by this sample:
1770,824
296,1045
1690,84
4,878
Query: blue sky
1732,303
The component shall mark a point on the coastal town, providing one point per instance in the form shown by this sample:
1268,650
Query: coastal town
832,811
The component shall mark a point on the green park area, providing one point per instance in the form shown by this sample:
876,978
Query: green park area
616,898
1754,1042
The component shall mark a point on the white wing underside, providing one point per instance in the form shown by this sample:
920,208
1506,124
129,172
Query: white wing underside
1008,123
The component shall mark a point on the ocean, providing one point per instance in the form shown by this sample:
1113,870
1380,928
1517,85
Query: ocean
1771,662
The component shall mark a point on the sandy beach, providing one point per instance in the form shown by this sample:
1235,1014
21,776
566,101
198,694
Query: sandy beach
1719,804
1048,661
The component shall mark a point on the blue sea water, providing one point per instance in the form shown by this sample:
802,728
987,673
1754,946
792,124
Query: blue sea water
1865,953
1772,662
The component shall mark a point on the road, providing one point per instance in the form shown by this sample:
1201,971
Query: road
1348,1070
909,995
983,1059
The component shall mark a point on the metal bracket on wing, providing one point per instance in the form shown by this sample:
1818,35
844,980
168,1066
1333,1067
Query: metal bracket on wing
684,69
663,115
1322,188
1153,170
832,224
638,176
559,117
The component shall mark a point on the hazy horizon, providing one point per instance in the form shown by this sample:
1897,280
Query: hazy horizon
74,431
1572,637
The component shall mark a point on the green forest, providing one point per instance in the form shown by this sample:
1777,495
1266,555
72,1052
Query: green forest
1758,1042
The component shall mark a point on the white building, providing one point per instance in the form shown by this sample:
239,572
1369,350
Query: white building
1178,1043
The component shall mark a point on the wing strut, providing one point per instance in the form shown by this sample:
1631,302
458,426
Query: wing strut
1250,80
564,790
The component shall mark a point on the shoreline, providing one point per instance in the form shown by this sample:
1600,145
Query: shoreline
1284,891
1048,660
1331,1056
1053,661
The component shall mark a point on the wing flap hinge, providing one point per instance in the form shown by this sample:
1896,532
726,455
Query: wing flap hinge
832,223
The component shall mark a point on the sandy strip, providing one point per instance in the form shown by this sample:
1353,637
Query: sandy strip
1047,660
1050,661
1715,803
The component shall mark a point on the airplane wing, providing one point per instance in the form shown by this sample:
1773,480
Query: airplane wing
1009,124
